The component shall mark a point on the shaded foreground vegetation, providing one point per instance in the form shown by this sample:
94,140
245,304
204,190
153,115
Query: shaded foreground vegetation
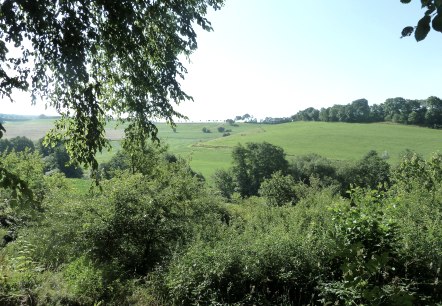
154,233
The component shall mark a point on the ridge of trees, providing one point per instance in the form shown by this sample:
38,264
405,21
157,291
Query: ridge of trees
426,112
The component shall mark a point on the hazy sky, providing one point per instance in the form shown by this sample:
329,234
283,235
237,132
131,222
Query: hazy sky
273,58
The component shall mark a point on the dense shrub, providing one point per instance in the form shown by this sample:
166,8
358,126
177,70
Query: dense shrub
279,189
224,183
413,168
17,144
18,208
253,163
154,235
119,162
418,214
57,159
368,245
268,256
371,171
304,167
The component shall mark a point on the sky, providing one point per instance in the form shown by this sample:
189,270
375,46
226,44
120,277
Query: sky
274,58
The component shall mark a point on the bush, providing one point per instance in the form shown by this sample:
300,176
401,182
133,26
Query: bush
143,221
371,171
230,121
255,162
221,129
302,168
5,146
418,214
84,280
18,144
119,162
223,181
19,205
57,159
279,189
267,256
206,130
368,241
103,241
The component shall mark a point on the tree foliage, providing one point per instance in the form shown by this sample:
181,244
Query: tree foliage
224,183
427,112
279,189
431,19
57,159
18,144
255,162
93,60
17,184
304,168
371,171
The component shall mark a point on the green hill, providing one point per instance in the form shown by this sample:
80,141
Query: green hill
338,141
210,151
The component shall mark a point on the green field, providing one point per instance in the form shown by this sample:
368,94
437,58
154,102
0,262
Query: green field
207,152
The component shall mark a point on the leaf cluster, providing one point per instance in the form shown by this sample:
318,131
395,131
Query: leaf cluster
431,19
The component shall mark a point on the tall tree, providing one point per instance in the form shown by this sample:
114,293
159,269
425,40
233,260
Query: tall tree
433,116
393,108
255,162
360,110
94,60
376,113
324,114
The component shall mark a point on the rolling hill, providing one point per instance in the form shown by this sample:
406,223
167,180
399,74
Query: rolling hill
210,151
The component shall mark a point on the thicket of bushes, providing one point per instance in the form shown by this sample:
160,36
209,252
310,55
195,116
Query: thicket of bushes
154,233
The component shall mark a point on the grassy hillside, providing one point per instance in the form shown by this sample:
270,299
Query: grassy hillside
343,141
33,129
209,151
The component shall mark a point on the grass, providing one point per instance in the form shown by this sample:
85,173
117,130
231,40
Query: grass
337,141
341,141
33,129
80,186
207,152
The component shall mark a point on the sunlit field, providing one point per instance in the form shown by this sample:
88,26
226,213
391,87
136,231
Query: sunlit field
207,152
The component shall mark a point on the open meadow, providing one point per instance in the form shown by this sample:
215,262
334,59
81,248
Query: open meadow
210,151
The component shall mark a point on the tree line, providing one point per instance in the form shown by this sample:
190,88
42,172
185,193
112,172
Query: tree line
426,112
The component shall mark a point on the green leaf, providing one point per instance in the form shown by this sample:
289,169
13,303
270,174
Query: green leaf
2,130
405,1
407,31
422,29
425,3
430,11
437,23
